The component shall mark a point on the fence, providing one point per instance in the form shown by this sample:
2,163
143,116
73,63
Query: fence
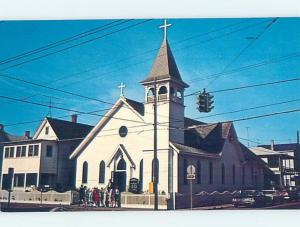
143,200
51,197
204,199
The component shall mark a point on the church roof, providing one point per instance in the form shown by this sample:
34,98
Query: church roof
68,130
137,106
164,66
193,151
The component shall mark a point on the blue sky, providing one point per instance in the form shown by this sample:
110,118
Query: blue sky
91,69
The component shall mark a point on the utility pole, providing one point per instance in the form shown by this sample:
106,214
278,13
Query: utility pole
297,159
155,160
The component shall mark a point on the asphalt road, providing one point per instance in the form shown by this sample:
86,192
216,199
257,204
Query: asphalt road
21,207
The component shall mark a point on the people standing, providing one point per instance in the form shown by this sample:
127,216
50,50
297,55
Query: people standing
102,197
81,195
117,197
106,198
96,197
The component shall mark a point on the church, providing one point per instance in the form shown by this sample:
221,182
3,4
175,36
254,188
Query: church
121,145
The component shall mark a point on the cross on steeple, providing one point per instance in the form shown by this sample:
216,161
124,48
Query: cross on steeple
122,88
165,26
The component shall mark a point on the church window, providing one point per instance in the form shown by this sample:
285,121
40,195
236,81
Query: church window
102,172
233,174
223,173
85,172
123,131
121,164
157,165
243,175
185,164
211,173
141,175
162,90
150,92
179,94
198,172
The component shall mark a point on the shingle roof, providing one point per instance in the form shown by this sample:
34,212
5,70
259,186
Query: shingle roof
6,137
193,150
137,106
281,147
69,130
164,66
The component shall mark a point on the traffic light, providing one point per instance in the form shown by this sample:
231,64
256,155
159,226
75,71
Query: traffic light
205,101
201,102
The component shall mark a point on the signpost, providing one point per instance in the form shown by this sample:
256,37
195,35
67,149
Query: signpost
191,176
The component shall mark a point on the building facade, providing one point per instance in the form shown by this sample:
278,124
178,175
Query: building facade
120,146
44,159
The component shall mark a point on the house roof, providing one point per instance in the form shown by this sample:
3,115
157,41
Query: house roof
193,151
68,130
137,106
281,147
164,66
264,152
6,137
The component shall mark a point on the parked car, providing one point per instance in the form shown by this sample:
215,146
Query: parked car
248,198
294,194
273,196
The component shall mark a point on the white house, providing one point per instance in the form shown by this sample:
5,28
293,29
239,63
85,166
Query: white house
120,146
43,159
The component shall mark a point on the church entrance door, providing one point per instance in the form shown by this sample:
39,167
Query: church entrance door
120,176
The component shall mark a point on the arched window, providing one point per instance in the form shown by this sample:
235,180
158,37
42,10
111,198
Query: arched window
185,165
163,90
121,165
150,92
223,173
102,172
233,174
179,94
85,172
141,175
198,172
211,173
243,175
157,170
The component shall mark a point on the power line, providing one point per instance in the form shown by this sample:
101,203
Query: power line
250,108
66,109
75,45
253,40
249,86
63,41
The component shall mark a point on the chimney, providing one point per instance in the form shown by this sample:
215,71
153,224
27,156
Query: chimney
74,118
1,128
27,134
272,145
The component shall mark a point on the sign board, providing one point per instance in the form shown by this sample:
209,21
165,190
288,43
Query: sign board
191,169
134,185
191,176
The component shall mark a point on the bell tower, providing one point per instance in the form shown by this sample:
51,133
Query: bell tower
170,94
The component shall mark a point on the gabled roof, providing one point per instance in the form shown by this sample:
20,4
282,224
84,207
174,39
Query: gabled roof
68,130
6,137
164,66
193,151
137,106
208,137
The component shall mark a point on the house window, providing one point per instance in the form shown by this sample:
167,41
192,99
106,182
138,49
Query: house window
49,151
184,171
47,130
30,151
11,152
233,174
223,173
6,152
23,152
85,172
198,172
243,175
36,150
102,172
211,173
18,154
19,180
252,175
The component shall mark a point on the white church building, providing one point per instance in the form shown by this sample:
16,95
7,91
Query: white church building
120,146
